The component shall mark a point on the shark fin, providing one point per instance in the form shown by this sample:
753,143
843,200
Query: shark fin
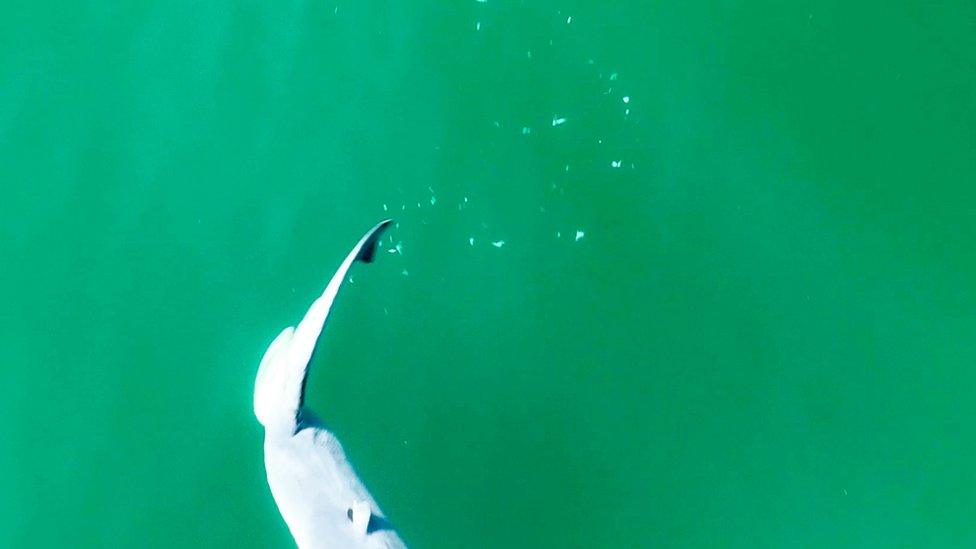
279,390
360,514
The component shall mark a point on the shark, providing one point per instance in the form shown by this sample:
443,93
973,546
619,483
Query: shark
320,497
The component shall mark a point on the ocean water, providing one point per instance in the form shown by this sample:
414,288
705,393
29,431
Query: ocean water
692,274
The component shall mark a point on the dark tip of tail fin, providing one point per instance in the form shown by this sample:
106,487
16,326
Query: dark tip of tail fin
368,251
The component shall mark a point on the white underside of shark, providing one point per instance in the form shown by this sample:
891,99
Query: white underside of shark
317,492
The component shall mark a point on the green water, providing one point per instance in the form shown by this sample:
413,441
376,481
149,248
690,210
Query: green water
765,336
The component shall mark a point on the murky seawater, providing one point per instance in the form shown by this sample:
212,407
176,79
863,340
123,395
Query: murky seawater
666,275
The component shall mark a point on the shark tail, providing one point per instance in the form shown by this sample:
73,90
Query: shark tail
279,390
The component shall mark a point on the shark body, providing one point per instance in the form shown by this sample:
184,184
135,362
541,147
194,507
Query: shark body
314,486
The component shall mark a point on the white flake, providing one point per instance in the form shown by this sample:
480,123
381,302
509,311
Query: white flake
579,235
558,121
615,163
498,243
471,241
626,99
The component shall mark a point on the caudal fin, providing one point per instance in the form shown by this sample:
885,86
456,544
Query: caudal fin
279,390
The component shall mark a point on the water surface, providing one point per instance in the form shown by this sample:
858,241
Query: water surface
763,335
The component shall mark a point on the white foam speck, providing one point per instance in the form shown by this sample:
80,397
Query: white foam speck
558,121
477,26
433,200
569,19
615,164
385,208
405,273
626,99
498,243
579,235
471,241
526,130
613,76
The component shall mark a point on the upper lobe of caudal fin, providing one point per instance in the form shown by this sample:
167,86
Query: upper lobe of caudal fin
368,251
